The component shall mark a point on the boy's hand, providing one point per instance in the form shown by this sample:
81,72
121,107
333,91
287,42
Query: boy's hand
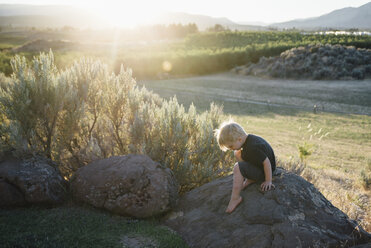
267,185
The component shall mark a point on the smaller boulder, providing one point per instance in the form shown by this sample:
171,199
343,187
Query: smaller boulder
30,181
131,185
10,195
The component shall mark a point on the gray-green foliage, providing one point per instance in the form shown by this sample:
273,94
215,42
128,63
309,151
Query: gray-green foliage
85,113
182,140
33,102
4,137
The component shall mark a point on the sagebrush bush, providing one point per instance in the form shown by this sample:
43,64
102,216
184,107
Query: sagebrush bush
33,102
4,137
83,113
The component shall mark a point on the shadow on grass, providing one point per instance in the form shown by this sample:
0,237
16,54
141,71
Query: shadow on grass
241,95
78,226
230,106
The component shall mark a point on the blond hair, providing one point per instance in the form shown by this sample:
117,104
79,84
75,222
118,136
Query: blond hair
228,132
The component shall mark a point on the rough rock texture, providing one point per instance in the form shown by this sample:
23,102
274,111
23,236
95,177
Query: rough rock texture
295,214
10,195
131,185
30,181
327,62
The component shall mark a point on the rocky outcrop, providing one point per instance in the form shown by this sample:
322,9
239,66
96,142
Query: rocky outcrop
318,62
295,214
132,185
30,181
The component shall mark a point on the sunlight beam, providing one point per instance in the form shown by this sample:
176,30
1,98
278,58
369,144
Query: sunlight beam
124,14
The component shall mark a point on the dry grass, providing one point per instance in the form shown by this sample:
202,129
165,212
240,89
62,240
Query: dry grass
337,162
337,188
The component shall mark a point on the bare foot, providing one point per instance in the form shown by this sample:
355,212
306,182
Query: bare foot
247,182
233,204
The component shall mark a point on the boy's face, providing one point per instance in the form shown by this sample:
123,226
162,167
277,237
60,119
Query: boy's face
236,145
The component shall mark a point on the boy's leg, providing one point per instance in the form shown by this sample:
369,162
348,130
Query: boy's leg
237,187
247,182
251,171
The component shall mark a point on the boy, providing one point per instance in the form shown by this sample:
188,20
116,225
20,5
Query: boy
255,159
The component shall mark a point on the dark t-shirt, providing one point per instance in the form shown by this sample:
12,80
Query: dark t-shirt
255,150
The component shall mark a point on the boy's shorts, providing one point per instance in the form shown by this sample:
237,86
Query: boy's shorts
251,171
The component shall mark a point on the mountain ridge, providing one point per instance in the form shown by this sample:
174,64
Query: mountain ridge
66,15
348,17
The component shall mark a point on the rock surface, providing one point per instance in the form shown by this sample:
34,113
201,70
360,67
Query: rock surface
295,214
131,185
318,62
30,181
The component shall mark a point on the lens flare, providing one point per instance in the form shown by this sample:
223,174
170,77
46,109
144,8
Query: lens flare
167,66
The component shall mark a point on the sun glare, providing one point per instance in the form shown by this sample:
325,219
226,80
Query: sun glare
122,14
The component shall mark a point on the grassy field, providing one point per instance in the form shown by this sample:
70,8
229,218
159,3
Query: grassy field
11,40
74,226
282,112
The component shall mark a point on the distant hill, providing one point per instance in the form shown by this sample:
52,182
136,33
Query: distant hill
203,22
63,15
254,23
50,21
57,16
47,16
345,18
37,10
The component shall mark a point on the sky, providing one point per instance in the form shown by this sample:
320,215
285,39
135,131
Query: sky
133,12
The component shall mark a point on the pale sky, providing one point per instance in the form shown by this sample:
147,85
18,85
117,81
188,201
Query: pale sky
268,11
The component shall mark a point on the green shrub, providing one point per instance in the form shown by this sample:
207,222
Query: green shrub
32,102
85,113
311,141
4,80
4,123
305,150
181,140
5,63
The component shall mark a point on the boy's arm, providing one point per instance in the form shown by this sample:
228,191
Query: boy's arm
267,185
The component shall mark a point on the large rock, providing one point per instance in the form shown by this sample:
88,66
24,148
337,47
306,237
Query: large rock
30,181
131,185
295,214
